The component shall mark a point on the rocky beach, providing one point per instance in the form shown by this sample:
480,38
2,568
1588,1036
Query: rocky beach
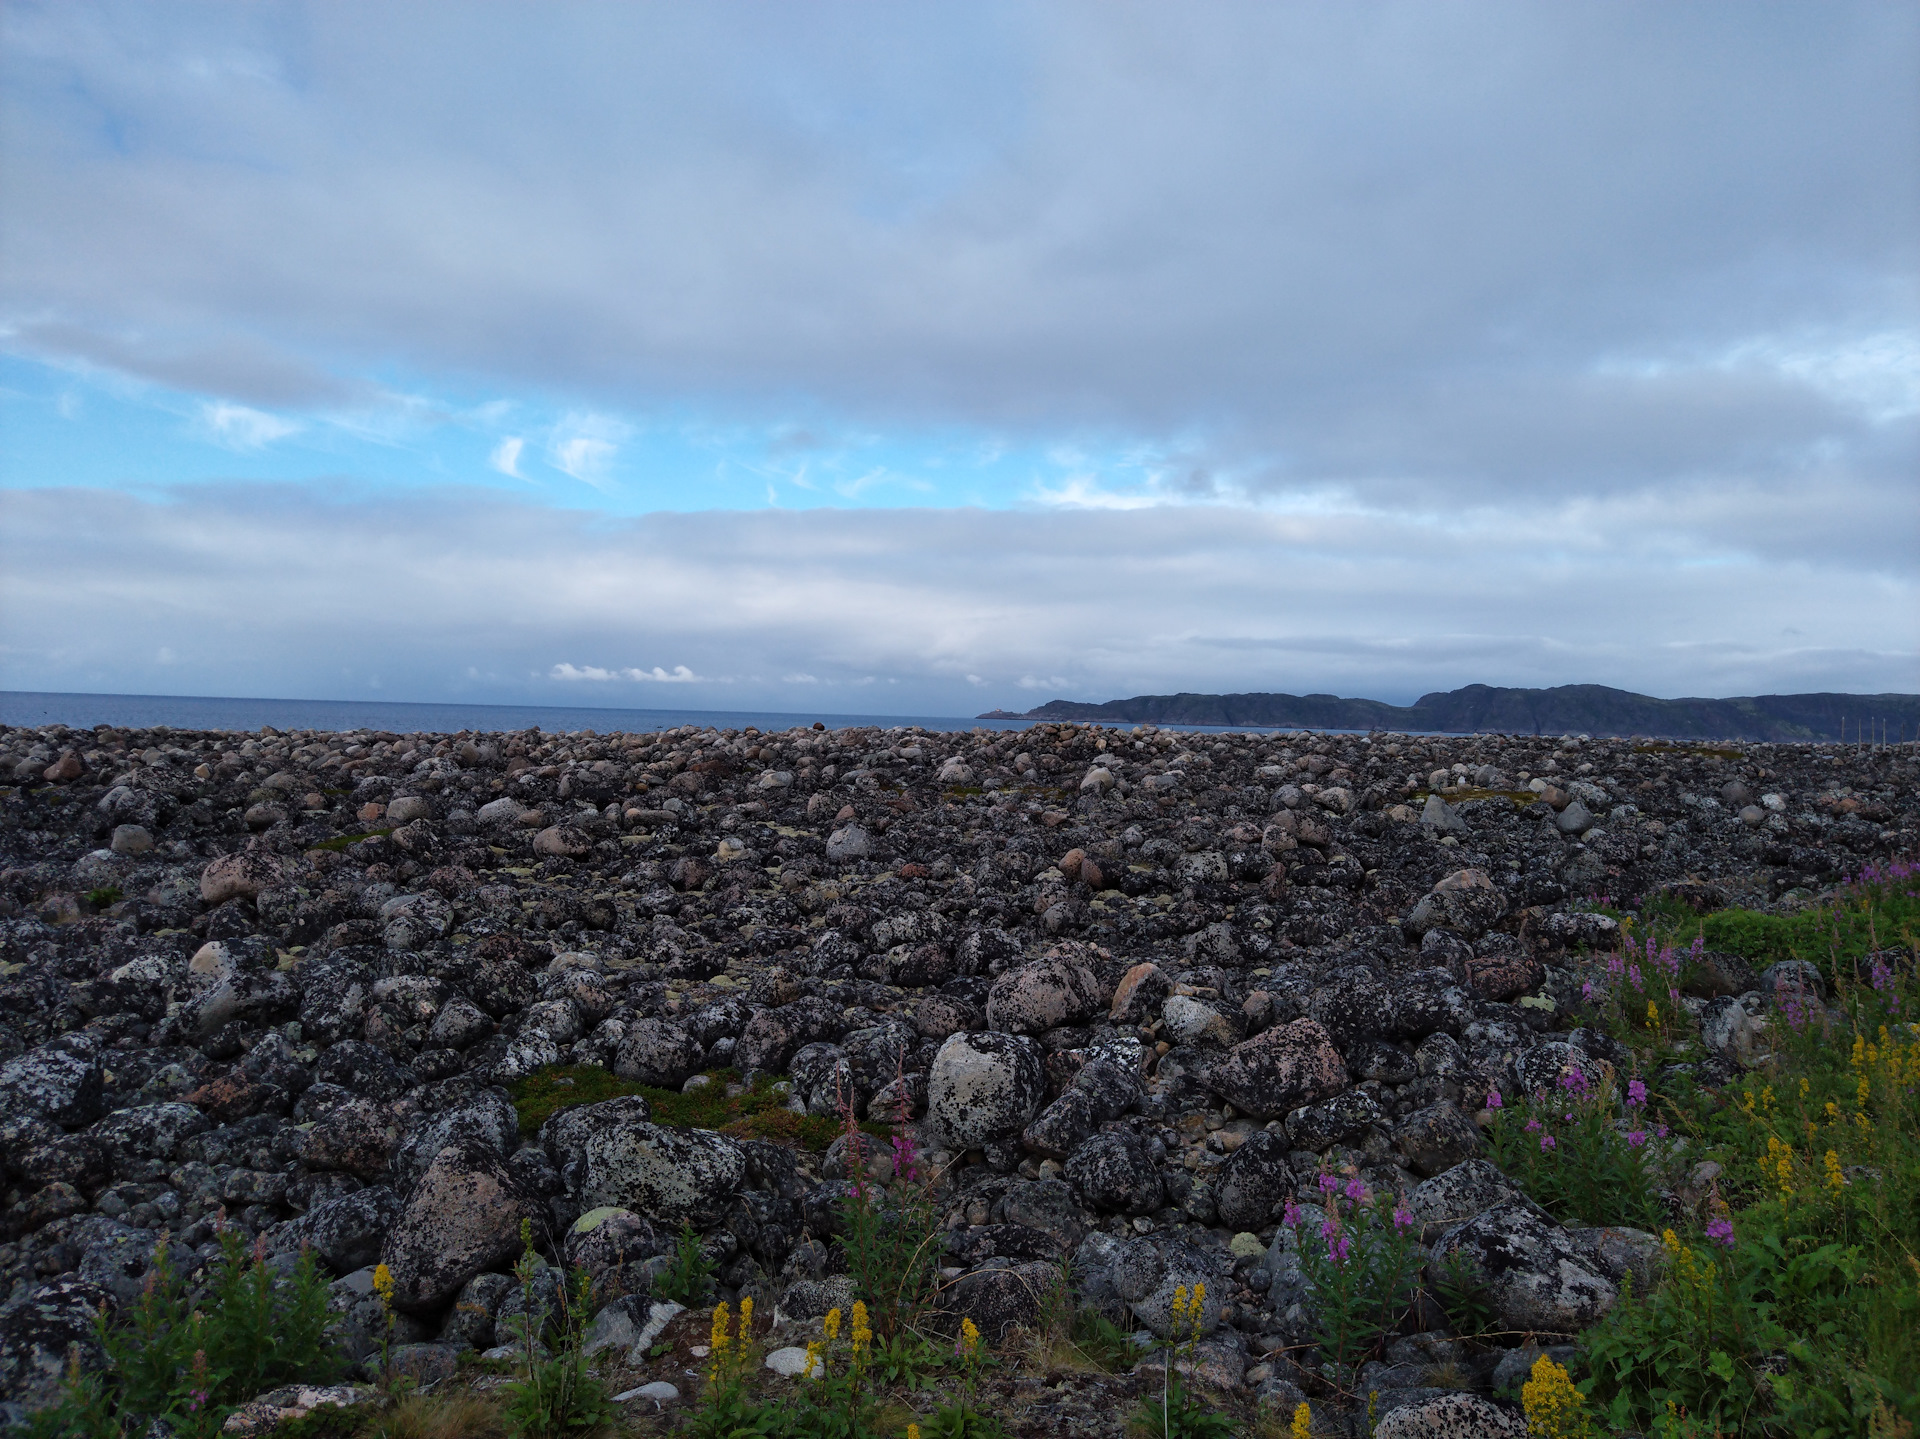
1131,998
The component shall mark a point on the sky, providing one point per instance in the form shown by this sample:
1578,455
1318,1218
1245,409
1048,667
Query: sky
932,359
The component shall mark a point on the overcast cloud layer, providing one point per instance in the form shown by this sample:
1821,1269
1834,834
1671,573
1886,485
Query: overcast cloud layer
1374,348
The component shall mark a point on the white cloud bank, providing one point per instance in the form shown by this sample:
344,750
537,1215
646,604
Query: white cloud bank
284,591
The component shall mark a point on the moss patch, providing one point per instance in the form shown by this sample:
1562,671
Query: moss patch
340,841
1836,935
758,1113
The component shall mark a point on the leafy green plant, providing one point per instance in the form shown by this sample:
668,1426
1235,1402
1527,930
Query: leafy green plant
1565,1148
1362,1261
556,1396
688,1277
1103,1343
1792,1304
905,1361
837,1401
1463,1295
184,1361
727,1410
890,1235
104,897
961,1417
1177,1414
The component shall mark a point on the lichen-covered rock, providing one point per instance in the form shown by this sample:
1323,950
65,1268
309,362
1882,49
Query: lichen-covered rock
1469,1188
1451,1416
1436,1137
1060,1126
1112,1174
1292,1065
38,1330
1535,1276
463,1219
242,875
487,1118
998,1299
1319,1127
658,1052
1059,989
1252,1187
55,1083
668,1175
344,1234
984,1087
1466,901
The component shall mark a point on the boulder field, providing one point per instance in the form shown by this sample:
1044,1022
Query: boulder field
1130,992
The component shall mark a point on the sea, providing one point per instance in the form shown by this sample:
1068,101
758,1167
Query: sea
215,712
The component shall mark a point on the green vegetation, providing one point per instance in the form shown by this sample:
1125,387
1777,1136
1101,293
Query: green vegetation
104,897
1789,1303
686,1280
339,842
179,1362
755,1113
1877,912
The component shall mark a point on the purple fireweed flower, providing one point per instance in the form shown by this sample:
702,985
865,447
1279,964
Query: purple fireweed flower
1721,1231
1586,989
1660,1130
1329,1229
1402,1218
1636,1093
1356,1191
1532,1124
1328,1184
1636,1137
1574,1080
1340,1249
1494,1101
1633,974
1546,1143
906,1164
1290,1216
1615,965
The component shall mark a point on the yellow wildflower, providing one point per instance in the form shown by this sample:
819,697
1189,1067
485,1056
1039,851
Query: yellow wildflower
813,1356
1859,1050
862,1331
969,1336
1302,1422
719,1338
746,1319
1861,1091
913,1431
383,1286
1180,1304
1835,1180
1555,1409
1193,1307
1653,1014
832,1324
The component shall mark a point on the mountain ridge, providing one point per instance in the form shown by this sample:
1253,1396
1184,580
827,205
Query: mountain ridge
1581,709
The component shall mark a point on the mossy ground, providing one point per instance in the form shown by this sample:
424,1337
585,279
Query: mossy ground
756,1113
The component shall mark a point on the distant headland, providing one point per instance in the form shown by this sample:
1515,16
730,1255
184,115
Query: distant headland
1562,709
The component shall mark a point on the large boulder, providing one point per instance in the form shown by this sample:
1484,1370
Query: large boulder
53,1083
1451,1416
1112,1173
38,1330
463,1219
984,1087
1059,989
242,875
998,1299
1436,1138
669,1175
1280,1070
1469,1188
487,1119
1535,1275
344,1234
1466,901
658,1052
1252,1187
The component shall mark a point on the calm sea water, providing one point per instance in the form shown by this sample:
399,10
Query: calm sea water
203,712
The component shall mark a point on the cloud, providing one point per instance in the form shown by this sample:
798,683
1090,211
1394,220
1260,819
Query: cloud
1423,254
678,675
506,456
434,584
240,428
